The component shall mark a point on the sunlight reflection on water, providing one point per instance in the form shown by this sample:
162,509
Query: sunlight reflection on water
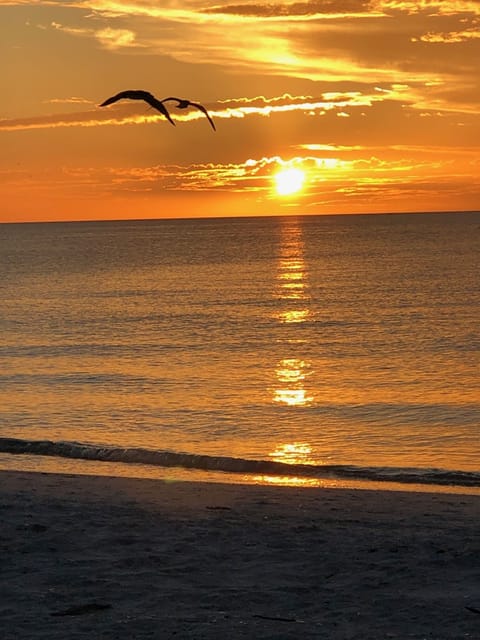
292,287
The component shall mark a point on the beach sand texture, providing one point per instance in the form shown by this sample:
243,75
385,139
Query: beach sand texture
119,558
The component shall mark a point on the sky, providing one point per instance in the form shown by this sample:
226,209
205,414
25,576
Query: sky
360,106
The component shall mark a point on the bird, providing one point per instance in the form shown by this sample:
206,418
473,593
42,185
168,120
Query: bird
139,94
182,103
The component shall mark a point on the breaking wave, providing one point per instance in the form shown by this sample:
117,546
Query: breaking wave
162,458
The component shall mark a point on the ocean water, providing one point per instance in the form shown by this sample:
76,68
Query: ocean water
346,347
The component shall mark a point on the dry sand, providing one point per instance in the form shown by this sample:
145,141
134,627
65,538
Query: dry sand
118,558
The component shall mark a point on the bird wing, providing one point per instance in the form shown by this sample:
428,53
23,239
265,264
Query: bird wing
159,106
203,110
138,94
119,96
170,98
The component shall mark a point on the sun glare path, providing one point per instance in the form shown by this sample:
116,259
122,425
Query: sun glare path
289,181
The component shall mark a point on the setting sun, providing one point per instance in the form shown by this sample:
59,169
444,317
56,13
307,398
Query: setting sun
289,181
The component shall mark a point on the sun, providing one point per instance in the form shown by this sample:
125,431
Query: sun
288,181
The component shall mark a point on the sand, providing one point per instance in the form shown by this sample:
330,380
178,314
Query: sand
120,558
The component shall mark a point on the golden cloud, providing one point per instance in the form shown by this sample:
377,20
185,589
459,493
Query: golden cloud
450,37
125,113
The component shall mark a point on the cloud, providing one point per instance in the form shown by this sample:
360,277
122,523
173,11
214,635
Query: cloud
108,37
255,174
115,38
329,147
78,119
334,42
432,7
70,100
128,113
293,9
451,37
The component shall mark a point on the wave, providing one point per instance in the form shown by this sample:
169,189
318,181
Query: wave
161,458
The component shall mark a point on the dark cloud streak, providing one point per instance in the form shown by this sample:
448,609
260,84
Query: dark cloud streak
273,10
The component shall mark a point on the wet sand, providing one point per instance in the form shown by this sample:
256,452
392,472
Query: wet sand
120,558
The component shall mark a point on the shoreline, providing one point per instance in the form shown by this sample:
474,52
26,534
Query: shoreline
37,463
102,557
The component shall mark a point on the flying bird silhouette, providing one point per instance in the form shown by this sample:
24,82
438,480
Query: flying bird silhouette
138,94
184,104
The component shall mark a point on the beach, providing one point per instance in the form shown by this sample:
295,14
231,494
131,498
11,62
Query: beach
103,557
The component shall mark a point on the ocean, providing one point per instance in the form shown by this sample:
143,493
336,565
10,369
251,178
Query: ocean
311,350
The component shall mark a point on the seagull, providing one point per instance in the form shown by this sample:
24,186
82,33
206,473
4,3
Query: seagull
184,104
138,94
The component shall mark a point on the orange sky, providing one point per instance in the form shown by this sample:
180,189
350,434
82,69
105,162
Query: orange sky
376,101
